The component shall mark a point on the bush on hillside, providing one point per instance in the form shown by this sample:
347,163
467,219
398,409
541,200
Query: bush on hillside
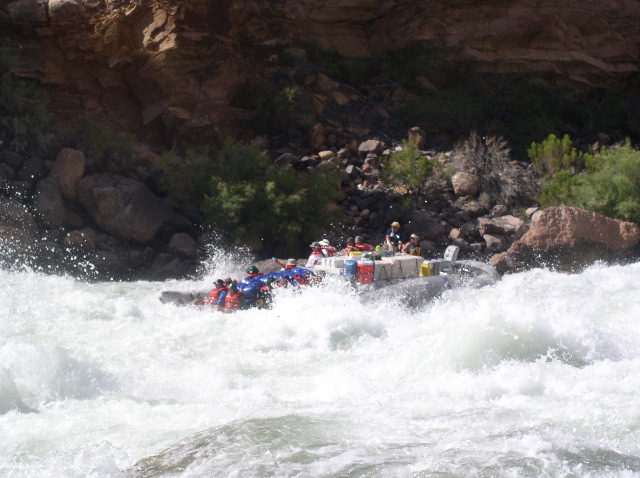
500,182
409,168
24,119
610,185
246,199
275,108
106,151
554,155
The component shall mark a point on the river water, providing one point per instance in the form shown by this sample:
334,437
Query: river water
535,376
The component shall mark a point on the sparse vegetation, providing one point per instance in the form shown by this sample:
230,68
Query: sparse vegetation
24,119
248,200
275,108
499,180
409,168
105,150
554,155
609,185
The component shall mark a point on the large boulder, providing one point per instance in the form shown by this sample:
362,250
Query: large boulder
465,184
504,225
48,203
122,206
68,169
14,214
571,239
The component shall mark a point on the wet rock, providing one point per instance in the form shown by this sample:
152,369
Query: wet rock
48,203
14,214
19,190
78,240
32,170
167,266
13,160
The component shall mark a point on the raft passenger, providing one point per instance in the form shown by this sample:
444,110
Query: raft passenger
394,237
413,246
316,255
327,249
218,295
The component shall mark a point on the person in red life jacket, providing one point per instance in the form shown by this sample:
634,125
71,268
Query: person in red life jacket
327,249
218,295
234,299
361,246
316,255
351,246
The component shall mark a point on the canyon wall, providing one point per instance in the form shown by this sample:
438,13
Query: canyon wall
173,67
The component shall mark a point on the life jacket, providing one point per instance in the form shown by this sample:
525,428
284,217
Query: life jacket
297,276
362,247
214,295
251,284
233,301
417,251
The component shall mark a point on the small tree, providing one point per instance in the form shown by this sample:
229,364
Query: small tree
409,168
554,155
247,199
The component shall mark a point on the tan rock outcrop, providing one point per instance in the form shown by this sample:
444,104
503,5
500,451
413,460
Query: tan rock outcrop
570,239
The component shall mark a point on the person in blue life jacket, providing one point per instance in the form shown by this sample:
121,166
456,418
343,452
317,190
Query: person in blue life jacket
413,246
395,237
253,284
292,274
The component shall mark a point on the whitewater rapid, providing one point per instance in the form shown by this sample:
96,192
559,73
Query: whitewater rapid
537,375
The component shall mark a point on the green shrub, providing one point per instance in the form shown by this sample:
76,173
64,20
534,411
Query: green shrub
275,109
106,151
554,155
24,119
409,168
613,187
559,190
610,185
247,199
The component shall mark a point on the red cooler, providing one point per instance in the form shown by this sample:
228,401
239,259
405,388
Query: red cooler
365,271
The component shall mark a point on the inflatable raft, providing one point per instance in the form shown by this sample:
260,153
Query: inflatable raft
412,279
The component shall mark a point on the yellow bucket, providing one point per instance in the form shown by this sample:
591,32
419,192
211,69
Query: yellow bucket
428,268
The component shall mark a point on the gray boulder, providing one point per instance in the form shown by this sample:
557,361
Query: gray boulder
48,203
122,206
14,214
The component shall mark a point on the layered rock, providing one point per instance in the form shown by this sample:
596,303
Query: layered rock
174,66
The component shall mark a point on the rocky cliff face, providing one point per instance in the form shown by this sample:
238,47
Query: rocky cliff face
172,67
